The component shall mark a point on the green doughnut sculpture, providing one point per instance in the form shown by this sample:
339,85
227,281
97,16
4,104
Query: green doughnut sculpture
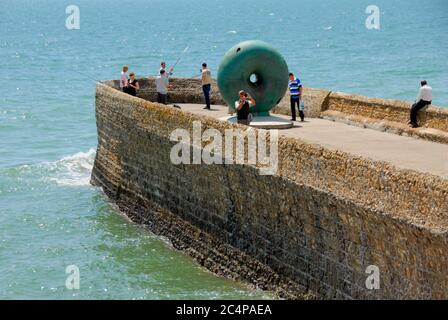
257,68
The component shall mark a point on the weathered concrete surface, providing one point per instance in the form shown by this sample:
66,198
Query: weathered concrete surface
379,114
182,90
315,101
388,126
385,109
317,224
189,91
386,115
400,151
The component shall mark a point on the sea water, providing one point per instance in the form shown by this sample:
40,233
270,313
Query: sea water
50,216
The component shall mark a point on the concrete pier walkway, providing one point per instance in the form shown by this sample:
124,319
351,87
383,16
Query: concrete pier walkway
400,151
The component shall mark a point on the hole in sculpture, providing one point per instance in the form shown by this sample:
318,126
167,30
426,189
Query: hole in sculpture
255,80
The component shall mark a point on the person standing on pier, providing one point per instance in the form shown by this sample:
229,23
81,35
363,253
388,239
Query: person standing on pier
133,85
295,91
206,84
124,79
424,99
163,67
162,85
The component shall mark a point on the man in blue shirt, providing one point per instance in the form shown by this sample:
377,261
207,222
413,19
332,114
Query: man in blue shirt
295,91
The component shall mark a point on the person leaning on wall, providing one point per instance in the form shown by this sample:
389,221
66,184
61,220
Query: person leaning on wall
424,99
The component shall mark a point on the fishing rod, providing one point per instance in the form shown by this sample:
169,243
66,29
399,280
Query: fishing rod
194,77
99,82
176,63
180,57
87,76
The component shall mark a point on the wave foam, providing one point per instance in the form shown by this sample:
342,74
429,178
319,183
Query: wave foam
73,170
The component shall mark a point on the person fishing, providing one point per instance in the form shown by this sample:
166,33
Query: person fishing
162,85
170,72
124,79
163,67
243,106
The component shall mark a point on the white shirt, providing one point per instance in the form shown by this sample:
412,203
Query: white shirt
123,80
425,93
162,84
167,74
237,103
206,77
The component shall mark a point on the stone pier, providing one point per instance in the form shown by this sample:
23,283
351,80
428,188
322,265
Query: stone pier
355,188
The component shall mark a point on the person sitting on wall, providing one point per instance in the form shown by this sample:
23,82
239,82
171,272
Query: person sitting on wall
133,85
424,99
124,79
162,85
295,92
243,106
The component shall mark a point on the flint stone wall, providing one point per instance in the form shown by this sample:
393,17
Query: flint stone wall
314,226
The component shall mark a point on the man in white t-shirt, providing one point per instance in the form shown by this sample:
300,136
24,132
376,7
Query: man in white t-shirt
163,67
206,77
162,85
424,98
124,79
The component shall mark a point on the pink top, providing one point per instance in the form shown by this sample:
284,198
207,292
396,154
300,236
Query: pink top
123,80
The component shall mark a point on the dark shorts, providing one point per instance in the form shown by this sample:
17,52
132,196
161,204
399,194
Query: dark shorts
162,98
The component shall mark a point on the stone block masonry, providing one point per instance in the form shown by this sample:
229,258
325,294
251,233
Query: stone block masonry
386,110
379,114
310,230
182,91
